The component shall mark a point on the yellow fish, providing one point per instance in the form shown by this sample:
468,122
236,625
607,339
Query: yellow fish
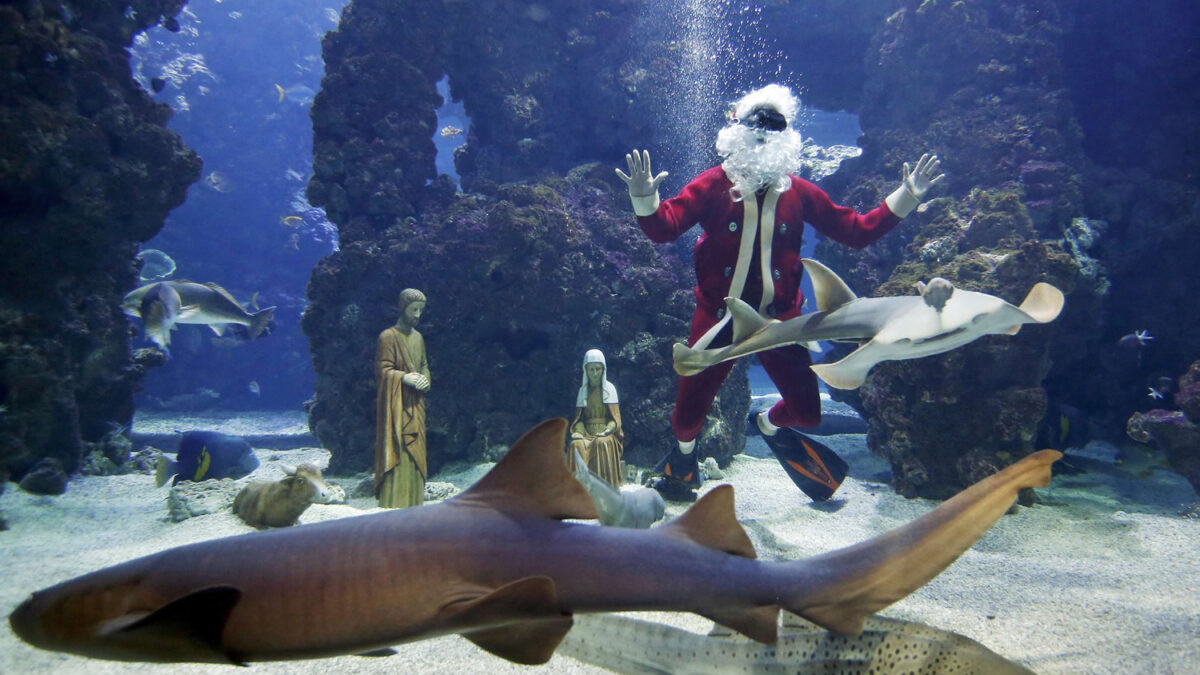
449,131
291,221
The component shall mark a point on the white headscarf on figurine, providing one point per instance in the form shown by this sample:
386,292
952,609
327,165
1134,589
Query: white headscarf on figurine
610,391
759,148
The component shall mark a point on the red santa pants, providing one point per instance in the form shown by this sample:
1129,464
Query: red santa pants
788,368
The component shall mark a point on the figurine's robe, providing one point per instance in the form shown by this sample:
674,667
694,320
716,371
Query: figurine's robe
602,454
400,448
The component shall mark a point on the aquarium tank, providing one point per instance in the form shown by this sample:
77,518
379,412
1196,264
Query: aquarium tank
636,336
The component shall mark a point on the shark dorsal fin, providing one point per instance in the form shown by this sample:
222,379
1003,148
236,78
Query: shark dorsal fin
220,290
711,522
533,477
746,320
830,291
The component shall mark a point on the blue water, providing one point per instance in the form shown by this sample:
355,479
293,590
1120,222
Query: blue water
223,71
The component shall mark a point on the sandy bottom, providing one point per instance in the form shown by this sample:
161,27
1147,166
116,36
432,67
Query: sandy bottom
1101,577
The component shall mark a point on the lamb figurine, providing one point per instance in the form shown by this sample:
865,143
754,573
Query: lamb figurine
279,503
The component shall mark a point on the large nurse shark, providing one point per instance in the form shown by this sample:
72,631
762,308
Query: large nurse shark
938,319
496,564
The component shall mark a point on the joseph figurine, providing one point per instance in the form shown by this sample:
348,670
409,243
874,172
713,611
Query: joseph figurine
402,377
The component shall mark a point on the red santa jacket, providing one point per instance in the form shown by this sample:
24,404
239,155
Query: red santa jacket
729,256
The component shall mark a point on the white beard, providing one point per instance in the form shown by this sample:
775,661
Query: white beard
753,165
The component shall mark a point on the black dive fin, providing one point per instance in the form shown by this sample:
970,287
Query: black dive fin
813,467
529,622
189,625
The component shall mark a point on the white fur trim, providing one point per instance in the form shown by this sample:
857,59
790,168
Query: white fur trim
901,202
764,424
645,205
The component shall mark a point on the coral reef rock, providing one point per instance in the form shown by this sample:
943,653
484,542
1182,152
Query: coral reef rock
88,170
1175,432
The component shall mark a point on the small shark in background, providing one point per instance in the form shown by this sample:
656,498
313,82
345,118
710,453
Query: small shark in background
497,565
639,507
159,308
885,647
937,320
164,304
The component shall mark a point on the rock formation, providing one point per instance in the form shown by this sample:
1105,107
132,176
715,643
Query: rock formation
88,170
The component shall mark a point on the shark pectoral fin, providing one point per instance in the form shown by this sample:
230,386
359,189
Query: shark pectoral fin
711,522
529,643
746,320
218,328
830,291
688,361
188,628
759,623
1014,330
533,477
851,584
1043,303
523,620
848,373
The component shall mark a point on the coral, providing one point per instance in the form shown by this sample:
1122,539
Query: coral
1175,432
88,170
1187,396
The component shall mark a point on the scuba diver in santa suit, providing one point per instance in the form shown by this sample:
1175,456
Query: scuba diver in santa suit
753,211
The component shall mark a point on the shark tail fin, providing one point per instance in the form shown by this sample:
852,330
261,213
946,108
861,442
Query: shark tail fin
712,523
840,589
687,361
163,471
262,322
746,320
1043,303
830,291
